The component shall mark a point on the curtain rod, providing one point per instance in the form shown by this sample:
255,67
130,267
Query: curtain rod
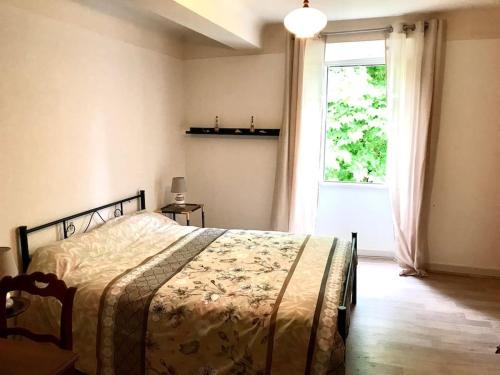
387,29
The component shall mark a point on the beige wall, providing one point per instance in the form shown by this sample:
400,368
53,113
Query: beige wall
234,177
464,192
200,47
110,19
86,116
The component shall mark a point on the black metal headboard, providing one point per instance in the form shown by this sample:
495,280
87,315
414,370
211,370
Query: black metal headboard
68,230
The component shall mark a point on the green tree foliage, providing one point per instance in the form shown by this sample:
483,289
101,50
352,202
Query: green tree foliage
356,146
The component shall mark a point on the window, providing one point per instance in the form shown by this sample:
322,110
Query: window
355,147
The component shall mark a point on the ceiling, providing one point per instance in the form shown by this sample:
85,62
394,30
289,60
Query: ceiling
238,24
275,10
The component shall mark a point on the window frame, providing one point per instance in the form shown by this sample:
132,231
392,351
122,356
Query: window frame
369,61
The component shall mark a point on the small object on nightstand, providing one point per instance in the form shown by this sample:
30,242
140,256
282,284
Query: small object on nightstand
216,127
42,357
9,302
252,126
7,268
185,209
178,188
18,306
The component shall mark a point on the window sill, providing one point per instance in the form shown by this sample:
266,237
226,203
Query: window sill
355,185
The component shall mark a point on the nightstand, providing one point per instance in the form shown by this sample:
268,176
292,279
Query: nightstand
184,209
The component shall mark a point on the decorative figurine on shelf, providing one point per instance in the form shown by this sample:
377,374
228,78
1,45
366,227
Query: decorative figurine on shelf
252,126
216,127
179,188
7,268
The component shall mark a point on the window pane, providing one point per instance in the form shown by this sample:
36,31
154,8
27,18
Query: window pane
338,53
356,139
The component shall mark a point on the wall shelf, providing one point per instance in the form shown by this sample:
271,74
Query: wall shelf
234,132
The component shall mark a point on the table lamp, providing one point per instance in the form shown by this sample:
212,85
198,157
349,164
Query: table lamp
7,268
178,188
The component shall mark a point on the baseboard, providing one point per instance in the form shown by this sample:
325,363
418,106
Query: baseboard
438,268
463,271
376,254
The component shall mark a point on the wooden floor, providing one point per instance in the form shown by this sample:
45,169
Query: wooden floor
440,324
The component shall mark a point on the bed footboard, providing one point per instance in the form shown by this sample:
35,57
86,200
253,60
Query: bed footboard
349,291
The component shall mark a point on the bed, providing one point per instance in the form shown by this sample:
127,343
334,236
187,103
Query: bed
156,297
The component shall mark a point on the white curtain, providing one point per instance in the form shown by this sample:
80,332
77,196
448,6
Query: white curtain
297,173
411,62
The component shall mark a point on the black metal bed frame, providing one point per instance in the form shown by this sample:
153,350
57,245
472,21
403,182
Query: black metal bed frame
69,228
349,294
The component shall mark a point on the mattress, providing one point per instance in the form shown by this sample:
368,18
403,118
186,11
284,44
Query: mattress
155,297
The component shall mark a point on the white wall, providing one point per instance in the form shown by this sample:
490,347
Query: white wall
85,117
346,208
233,176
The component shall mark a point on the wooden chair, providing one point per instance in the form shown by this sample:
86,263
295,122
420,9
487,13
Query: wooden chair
53,288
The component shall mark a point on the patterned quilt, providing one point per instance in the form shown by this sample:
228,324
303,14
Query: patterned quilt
155,297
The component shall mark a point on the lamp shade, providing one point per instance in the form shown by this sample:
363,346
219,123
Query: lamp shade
7,265
178,185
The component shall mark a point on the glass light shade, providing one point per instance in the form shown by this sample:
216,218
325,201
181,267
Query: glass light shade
305,22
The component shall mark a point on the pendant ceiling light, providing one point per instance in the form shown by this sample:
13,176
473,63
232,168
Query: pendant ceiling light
306,21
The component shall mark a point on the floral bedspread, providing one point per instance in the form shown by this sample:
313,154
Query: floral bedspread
158,298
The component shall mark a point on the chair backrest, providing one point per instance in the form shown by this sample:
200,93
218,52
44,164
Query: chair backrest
53,287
